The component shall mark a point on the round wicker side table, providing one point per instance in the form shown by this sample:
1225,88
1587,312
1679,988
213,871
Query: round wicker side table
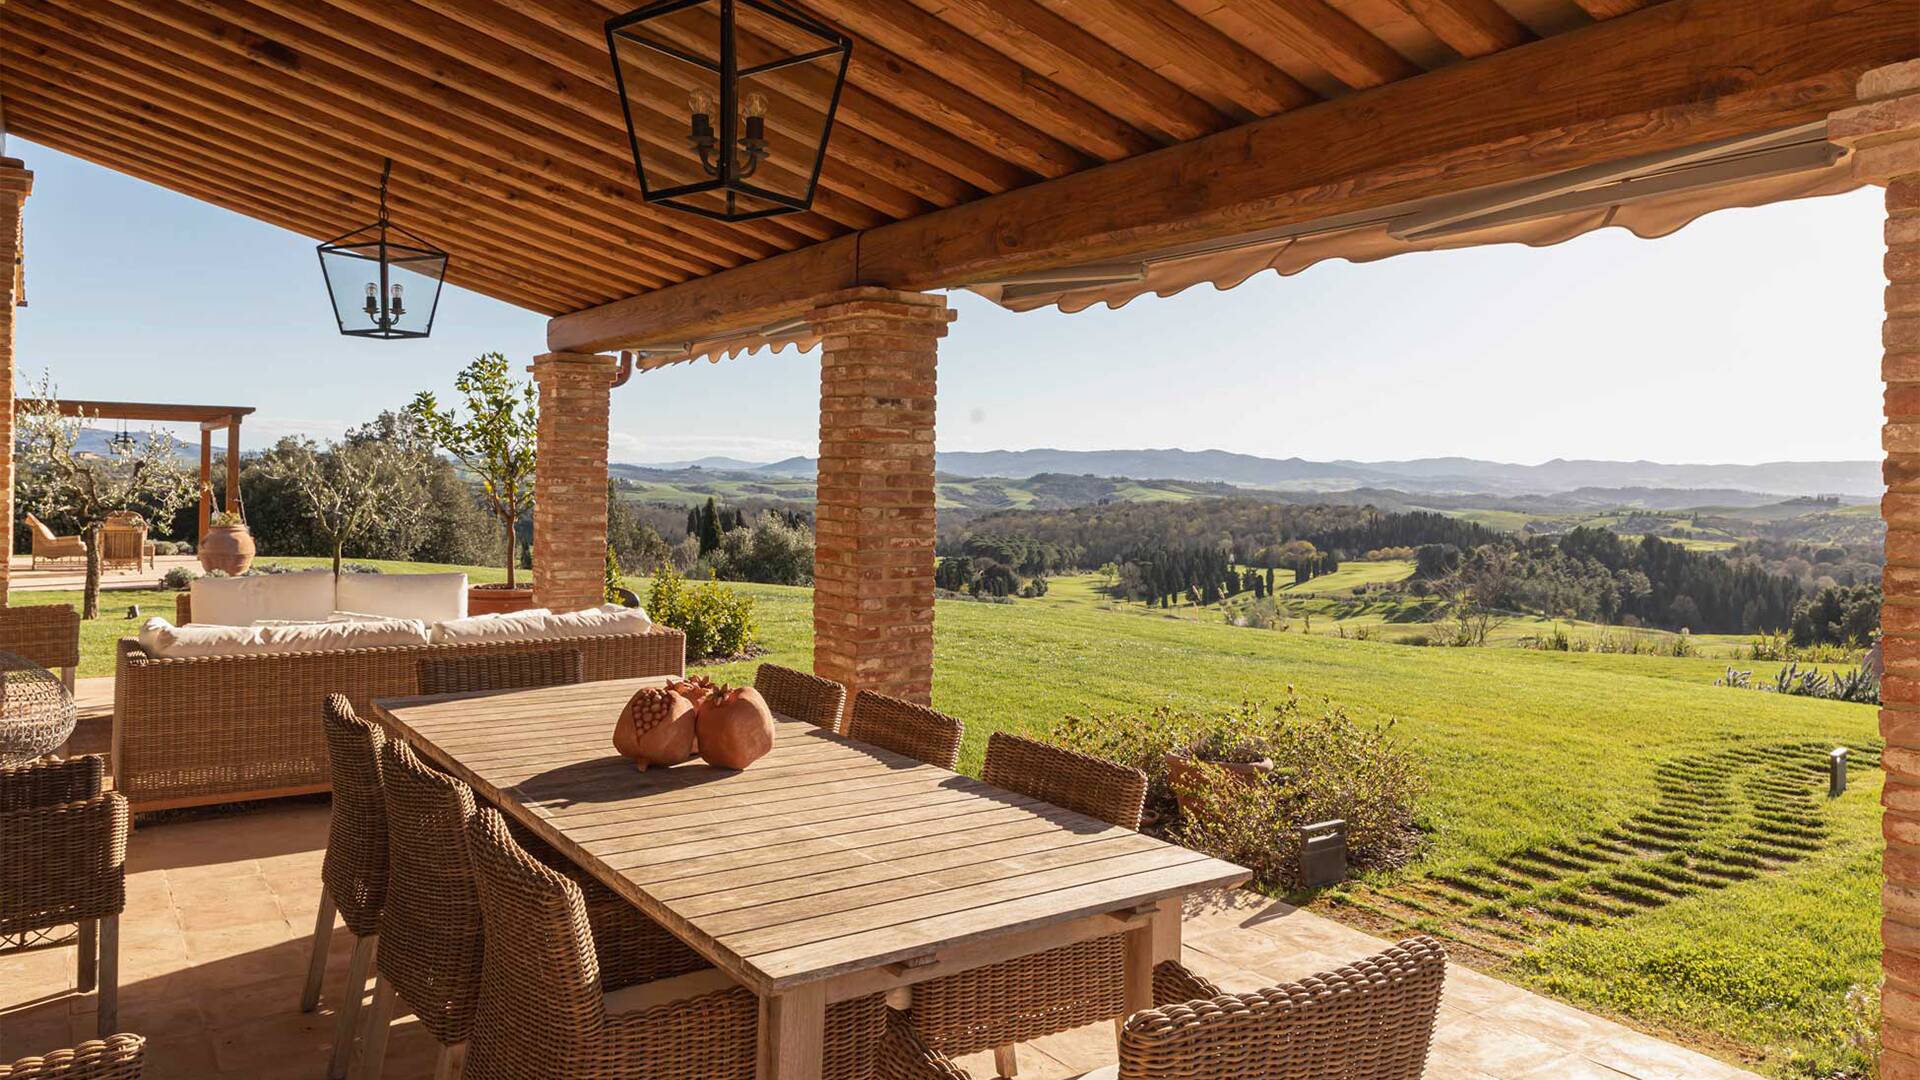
36,711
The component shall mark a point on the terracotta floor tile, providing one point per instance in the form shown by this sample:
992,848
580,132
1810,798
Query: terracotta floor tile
1572,1067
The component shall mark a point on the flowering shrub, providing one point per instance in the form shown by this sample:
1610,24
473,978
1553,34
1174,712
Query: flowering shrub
718,622
1326,765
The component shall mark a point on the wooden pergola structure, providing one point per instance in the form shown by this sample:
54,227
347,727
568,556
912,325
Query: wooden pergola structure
210,418
1039,152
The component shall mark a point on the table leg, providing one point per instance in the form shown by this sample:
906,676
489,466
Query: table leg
793,1029
1146,947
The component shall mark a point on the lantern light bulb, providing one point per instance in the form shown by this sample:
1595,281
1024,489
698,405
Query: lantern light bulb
700,102
754,105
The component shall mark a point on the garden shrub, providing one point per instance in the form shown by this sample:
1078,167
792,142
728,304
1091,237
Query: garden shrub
718,622
1326,765
179,578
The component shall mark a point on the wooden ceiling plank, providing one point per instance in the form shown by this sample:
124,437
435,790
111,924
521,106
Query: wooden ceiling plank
973,67
1679,74
342,162
1237,79
944,135
222,192
521,195
343,67
1328,38
1611,9
1471,28
267,186
344,182
1044,42
446,50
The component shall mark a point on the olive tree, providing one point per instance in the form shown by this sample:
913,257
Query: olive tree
58,481
350,492
496,441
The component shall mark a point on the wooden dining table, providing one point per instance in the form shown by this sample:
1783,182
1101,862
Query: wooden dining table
828,870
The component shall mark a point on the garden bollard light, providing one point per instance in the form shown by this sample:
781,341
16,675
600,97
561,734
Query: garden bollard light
1837,772
1323,853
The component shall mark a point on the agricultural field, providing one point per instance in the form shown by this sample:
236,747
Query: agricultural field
1611,829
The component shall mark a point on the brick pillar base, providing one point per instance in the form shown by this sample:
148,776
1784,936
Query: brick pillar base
570,480
1884,135
15,184
873,559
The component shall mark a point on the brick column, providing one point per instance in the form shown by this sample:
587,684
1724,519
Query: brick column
570,480
873,559
1884,135
15,184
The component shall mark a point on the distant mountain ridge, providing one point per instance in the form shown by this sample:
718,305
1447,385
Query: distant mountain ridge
1441,475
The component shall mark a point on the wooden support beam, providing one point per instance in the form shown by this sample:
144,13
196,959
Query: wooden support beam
1210,63
206,485
233,466
1679,74
1323,35
1470,27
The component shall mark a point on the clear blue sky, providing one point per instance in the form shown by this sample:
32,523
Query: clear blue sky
1749,336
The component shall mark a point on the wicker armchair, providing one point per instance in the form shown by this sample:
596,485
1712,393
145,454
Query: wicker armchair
1019,1000
123,542
47,634
905,728
50,548
63,861
116,1057
1370,1020
355,869
820,702
543,1014
500,671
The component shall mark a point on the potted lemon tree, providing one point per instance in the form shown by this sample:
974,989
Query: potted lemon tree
495,442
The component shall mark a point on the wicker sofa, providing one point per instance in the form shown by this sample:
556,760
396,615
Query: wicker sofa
214,729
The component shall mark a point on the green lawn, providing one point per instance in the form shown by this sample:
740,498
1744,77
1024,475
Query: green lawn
1535,760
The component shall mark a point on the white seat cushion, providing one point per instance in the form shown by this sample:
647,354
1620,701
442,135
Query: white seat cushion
497,626
163,640
243,601
605,619
430,598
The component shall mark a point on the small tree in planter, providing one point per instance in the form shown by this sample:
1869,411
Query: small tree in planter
57,480
496,441
350,491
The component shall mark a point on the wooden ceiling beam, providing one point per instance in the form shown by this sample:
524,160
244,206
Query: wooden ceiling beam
333,188
1679,74
444,105
1611,9
1324,36
967,137
264,67
854,150
339,162
430,162
444,50
1237,80
1054,47
201,182
1470,27
971,66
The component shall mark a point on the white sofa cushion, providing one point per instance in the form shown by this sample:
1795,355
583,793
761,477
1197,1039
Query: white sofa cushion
605,619
428,597
243,601
161,638
497,626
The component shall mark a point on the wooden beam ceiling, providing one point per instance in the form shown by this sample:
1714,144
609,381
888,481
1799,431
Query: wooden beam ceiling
1679,74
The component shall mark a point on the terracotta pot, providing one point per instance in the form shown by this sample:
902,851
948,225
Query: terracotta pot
656,728
1183,771
228,548
736,727
494,600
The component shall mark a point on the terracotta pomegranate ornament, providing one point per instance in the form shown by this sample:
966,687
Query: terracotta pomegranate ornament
656,728
736,727
695,688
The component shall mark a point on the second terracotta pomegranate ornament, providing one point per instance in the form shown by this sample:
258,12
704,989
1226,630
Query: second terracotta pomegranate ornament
735,727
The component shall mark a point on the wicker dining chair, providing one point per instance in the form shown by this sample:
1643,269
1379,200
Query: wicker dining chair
543,1014
1020,1000
63,862
905,728
820,702
501,671
1369,1020
116,1057
354,874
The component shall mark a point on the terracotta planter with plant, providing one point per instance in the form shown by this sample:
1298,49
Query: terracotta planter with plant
1216,754
497,599
228,545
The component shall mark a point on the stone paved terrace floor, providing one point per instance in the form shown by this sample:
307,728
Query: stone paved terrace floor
219,909
71,575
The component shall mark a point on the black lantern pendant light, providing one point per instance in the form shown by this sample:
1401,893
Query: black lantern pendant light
729,103
383,280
